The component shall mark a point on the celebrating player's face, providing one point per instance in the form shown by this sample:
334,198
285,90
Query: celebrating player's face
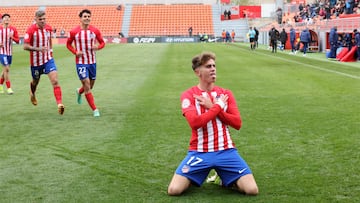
40,21
85,18
208,71
6,20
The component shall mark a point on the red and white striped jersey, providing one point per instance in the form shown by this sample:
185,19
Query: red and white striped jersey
214,135
6,41
84,41
40,38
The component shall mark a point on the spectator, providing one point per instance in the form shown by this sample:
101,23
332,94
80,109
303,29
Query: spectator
256,37
226,14
190,30
347,40
232,36
301,7
279,15
349,5
353,42
332,3
327,11
292,40
322,13
297,44
357,42
228,36
203,37
223,36
333,41
245,13
119,7
339,8
283,38
305,39
62,32
252,34
274,35
309,21
206,37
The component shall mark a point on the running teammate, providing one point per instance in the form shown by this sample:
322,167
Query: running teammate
83,41
8,35
37,41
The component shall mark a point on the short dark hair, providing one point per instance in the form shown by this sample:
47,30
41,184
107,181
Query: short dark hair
39,13
4,15
84,11
201,59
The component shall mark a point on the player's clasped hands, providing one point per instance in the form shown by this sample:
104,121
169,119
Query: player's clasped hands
223,97
206,101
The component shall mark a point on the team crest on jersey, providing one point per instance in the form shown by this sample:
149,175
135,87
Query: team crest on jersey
185,103
26,36
185,169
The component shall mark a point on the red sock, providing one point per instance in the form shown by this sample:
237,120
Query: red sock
8,84
1,81
90,100
81,90
58,94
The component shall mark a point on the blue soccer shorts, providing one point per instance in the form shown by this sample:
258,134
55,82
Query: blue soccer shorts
228,164
37,71
5,60
86,71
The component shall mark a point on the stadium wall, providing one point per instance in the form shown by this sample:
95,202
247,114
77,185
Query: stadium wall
102,2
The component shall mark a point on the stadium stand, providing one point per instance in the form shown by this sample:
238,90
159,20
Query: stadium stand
107,18
21,17
160,20
102,2
344,24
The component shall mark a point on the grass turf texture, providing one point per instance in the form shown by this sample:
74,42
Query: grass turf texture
300,134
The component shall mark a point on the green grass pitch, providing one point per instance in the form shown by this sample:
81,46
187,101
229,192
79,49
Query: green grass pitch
300,134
